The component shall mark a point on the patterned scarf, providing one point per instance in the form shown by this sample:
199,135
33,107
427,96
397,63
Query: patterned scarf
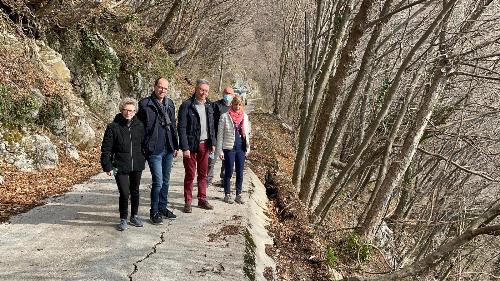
238,117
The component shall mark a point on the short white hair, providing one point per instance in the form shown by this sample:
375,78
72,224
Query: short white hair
127,101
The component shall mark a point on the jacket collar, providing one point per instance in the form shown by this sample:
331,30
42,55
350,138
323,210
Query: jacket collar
193,100
152,97
122,121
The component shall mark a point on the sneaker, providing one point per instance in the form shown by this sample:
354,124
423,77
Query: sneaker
228,199
187,208
136,221
238,199
123,225
205,205
156,218
168,214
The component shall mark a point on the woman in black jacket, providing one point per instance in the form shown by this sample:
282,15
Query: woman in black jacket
121,155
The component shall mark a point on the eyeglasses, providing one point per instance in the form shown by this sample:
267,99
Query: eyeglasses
160,88
128,110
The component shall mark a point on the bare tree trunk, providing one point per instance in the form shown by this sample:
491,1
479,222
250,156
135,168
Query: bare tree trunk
398,168
316,170
308,121
165,24
389,145
478,227
336,84
325,202
403,197
221,72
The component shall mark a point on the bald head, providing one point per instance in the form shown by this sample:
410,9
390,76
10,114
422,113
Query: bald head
228,91
228,95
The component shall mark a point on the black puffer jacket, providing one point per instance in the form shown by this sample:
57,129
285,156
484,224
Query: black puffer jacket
122,146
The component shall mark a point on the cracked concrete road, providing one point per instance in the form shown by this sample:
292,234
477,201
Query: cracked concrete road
74,237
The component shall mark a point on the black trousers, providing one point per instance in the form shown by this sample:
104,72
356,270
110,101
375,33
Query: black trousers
128,185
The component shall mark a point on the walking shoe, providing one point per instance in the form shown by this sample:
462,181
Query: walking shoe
238,199
156,218
123,225
228,199
136,221
168,214
205,205
187,208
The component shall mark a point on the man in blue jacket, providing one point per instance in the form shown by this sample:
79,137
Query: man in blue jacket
197,141
157,112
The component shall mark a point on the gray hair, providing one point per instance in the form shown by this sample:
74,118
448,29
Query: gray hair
126,101
200,82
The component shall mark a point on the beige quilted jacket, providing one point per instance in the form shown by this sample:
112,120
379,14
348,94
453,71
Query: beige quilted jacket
225,133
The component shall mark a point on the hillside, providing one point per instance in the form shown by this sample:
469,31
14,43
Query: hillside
377,134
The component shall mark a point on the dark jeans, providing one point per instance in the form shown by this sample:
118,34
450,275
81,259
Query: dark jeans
234,158
160,166
211,167
128,184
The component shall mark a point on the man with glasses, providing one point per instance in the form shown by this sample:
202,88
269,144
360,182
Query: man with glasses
197,141
157,112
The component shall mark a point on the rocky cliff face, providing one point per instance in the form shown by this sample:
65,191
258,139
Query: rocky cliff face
57,92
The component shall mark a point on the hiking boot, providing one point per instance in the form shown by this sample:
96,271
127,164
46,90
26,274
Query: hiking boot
136,221
168,214
238,199
228,199
205,205
187,208
156,218
123,225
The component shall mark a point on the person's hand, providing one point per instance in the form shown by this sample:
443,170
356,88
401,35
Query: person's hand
221,157
186,154
176,153
110,173
212,150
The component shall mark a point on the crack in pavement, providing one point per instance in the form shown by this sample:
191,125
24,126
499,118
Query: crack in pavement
153,251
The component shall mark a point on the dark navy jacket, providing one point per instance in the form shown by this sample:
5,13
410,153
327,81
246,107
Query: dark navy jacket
158,137
220,108
189,125
121,146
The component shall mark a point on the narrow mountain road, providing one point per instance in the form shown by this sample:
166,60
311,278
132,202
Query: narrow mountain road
74,236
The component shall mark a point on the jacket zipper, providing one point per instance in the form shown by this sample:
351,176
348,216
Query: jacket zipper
131,154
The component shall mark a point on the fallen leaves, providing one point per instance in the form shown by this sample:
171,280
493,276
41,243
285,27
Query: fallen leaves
22,191
272,159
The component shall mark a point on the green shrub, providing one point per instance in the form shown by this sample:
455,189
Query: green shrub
358,248
13,135
106,62
162,66
150,63
51,110
249,257
16,109
331,258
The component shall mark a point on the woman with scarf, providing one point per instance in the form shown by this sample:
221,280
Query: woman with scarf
233,146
